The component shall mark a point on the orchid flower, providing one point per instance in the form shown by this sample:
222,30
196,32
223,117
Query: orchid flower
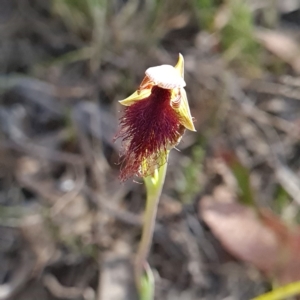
154,120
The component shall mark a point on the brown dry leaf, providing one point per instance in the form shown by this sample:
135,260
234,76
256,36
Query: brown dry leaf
239,229
178,21
289,271
281,45
259,238
254,235
222,17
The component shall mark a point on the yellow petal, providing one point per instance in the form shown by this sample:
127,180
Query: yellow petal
180,65
184,112
136,96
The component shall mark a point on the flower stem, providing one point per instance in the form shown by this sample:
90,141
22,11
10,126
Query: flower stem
154,185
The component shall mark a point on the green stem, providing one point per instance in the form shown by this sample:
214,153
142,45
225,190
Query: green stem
154,185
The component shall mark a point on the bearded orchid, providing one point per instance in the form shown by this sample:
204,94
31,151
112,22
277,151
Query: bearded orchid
154,120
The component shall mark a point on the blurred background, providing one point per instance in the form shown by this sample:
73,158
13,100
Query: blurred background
228,220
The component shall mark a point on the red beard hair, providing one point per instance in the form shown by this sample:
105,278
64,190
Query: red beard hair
149,127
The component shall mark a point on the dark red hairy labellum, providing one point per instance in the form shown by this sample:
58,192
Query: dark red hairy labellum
149,128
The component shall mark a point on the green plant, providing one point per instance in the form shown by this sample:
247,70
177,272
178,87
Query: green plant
153,123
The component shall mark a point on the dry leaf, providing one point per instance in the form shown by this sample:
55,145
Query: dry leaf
222,17
240,231
289,271
281,45
259,238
